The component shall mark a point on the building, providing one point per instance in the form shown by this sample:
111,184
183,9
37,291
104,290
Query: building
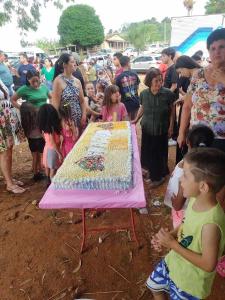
115,42
189,34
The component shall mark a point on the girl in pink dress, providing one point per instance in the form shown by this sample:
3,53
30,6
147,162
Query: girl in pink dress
69,133
49,125
113,110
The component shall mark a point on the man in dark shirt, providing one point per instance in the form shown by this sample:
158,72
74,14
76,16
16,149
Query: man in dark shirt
171,80
128,83
171,76
24,68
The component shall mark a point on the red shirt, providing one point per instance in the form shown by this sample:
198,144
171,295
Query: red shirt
118,72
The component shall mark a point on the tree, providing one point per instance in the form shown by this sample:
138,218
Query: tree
215,7
189,4
165,29
80,25
145,32
27,13
142,33
47,45
110,32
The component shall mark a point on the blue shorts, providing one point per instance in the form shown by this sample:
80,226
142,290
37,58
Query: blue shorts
159,281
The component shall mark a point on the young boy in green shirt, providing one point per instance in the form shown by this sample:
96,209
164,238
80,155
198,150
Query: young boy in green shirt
188,270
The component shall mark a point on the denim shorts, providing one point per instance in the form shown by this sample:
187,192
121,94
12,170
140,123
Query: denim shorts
159,281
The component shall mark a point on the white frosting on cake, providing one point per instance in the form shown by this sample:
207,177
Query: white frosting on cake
101,159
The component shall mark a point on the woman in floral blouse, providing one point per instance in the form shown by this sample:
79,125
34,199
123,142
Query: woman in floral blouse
205,100
10,133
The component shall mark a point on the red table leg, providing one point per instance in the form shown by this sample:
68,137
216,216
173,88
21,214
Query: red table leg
83,230
133,225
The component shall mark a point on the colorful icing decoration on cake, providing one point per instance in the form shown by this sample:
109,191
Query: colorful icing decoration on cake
92,163
100,160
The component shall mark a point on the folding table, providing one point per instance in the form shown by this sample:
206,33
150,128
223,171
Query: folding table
101,199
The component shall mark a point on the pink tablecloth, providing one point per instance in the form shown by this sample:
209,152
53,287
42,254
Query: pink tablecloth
135,197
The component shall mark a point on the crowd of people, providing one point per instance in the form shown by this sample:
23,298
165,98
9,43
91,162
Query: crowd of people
51,105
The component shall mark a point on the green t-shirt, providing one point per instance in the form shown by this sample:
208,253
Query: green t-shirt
184,274
49,74
157,108
37,97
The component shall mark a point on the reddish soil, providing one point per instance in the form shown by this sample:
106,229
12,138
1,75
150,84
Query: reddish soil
39,249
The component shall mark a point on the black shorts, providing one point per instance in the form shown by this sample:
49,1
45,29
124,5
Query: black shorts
36,145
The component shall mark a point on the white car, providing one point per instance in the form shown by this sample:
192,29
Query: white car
100,59
130,52
143,62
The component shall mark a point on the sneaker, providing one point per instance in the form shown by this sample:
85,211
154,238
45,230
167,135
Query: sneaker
147,180
143,211
155,184
171,142
145,172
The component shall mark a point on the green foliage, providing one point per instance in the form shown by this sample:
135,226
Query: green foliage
27,13
149,31
215,7
47,45
80,25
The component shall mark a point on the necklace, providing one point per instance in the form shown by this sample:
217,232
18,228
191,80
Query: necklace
70,77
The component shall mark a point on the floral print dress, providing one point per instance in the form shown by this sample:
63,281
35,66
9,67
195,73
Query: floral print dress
11,132
6,137
208,104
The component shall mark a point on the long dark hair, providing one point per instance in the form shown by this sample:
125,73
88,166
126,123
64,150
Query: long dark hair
28,114
49,59
112,89
187,62
65,112
63,59
48,119
31,74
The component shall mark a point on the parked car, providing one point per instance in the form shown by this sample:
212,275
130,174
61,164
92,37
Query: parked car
143,62
101,59
107,52
131,52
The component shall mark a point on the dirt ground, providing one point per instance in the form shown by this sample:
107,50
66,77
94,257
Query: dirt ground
39,249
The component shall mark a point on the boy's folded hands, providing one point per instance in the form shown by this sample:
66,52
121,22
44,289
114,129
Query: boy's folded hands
162,239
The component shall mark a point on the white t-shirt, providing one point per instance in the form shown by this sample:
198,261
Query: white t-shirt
173,185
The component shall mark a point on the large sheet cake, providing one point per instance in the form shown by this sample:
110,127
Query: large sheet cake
101,159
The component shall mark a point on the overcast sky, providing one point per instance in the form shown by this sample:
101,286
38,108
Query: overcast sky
112,14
